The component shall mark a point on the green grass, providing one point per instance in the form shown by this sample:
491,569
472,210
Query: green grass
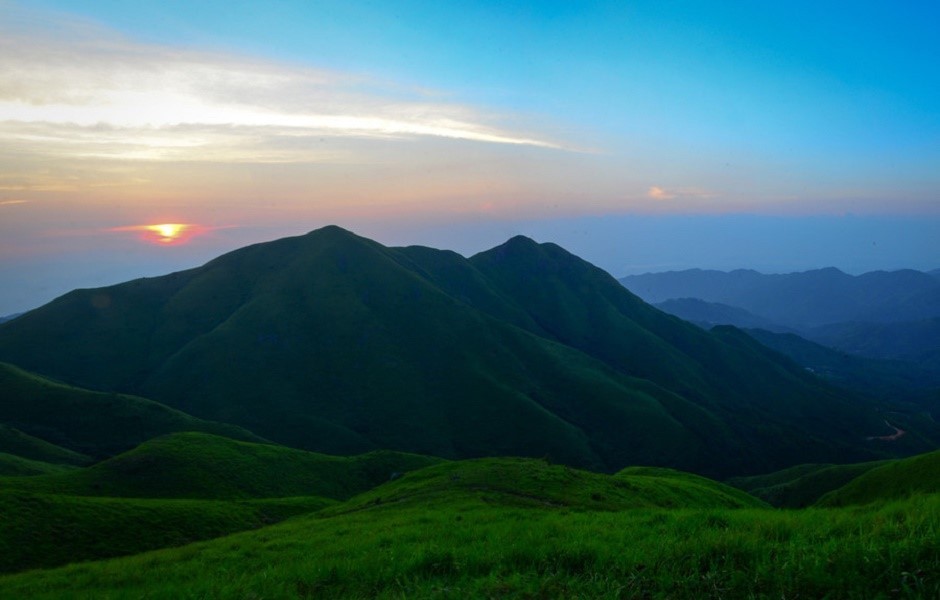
87,422
530,482
11,465
471,546
198,465
895,480
42,530
13,441
803,485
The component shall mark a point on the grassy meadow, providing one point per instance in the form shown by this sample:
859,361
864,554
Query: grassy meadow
522,528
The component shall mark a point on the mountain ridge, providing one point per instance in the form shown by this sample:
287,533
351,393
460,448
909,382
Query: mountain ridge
334,343
802,300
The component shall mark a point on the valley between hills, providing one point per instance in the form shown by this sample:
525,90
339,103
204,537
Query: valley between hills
326,417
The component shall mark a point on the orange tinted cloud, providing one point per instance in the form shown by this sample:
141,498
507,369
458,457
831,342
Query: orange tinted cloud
657,193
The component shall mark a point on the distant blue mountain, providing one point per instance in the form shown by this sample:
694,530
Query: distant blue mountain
708,314
804,300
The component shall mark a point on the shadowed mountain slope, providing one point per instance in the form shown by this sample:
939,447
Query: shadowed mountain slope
14,441
914,341
47,530
334,343
202,466
895,480
13,465
72,424
803,485
885,378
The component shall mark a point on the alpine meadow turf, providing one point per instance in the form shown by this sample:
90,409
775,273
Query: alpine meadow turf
475,543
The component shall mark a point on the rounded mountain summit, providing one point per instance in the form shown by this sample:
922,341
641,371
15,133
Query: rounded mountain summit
334,343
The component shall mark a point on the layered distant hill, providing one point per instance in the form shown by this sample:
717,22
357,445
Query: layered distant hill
335,343
881,315
802,300
708,314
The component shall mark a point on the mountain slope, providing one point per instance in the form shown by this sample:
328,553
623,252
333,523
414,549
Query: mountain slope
201,466
803,485
882,377
334,343
13,465
15,442
45,530
898,479
915,341
82,421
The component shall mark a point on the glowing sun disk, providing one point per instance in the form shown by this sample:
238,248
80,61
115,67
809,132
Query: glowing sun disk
168,231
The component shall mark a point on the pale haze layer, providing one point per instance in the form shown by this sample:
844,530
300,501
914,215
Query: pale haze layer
142,138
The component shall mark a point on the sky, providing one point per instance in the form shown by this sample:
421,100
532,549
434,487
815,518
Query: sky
140,138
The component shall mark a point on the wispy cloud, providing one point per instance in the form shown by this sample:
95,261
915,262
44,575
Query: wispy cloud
660,193
11,202
72,88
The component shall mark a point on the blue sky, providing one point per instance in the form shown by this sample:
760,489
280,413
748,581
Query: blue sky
429,122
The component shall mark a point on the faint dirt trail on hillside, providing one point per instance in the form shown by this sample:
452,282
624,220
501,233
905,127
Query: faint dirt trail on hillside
898,432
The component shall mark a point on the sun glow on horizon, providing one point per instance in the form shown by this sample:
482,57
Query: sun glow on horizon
168,232
164,234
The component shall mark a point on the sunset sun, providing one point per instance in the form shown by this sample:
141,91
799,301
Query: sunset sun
164,234
167,233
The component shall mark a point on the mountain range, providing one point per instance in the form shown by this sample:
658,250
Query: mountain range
334,343
802,300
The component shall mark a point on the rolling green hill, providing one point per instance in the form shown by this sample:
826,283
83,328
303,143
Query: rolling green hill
898,479
331,342
46,530
803,485
13,441
10,464
202,466
531,482
451,530
84,422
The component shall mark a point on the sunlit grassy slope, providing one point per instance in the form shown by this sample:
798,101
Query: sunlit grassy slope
897,479
82,421
452,531
334,343
198,465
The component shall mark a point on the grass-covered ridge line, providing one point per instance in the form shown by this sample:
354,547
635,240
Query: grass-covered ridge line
471,547
535,483
14,441
46,530
12,465
895,480
198,465
88,422
803,485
